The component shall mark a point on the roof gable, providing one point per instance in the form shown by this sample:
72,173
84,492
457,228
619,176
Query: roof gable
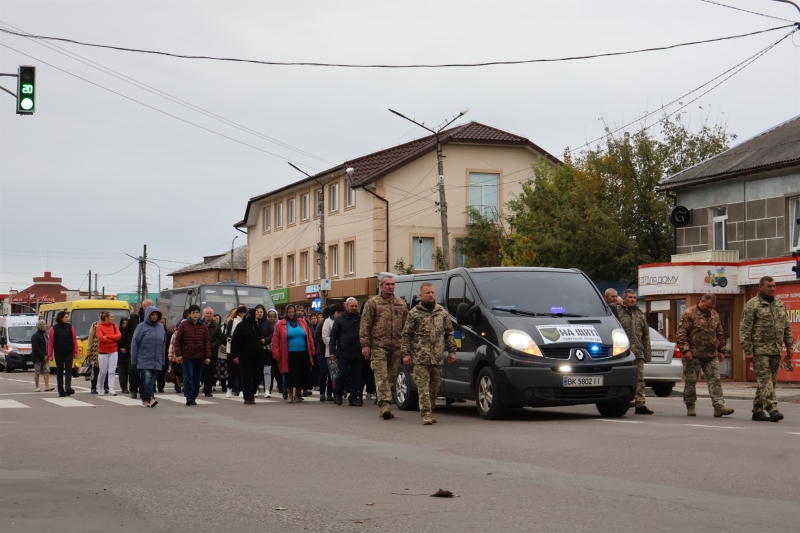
778,147
217,262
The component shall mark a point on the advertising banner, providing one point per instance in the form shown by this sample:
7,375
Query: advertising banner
790,295
697,278
279,296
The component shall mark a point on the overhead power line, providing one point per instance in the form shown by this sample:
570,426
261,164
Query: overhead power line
746,11
387,66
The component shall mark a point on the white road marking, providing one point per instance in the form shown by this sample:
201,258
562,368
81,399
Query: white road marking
715,427
19,380
12,404
122,400
68,402
180,399
792,433
620,421
27,393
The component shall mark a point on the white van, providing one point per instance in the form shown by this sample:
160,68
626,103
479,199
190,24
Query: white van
15,341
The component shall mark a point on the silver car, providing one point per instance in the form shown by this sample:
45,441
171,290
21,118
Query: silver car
664,370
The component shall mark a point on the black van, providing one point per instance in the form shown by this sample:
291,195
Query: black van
538,337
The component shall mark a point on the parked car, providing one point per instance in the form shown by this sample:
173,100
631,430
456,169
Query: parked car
666,367
538,337
15,341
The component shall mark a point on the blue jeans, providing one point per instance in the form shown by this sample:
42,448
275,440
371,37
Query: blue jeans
148,378
192,372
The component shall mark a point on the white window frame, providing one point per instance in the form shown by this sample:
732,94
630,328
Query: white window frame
266,273
794,223
351,195
334,255
460,254
351,256
304,211
290,270
279,215
722,220
304,265
292,212
333,192
420,263
267,212
483,207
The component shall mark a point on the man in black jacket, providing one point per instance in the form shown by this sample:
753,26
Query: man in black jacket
345,349
217,340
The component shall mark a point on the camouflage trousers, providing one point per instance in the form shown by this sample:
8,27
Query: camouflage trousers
639,400
428,378
691,371
766,370
385,364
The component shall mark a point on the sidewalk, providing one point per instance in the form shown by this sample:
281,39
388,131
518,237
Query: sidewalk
735,390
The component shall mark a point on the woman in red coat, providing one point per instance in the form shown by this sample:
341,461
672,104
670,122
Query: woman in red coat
293,348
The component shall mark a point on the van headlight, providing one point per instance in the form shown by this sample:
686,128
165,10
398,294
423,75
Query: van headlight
522,342
620,342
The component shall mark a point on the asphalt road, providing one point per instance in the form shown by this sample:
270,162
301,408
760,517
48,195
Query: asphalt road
276,467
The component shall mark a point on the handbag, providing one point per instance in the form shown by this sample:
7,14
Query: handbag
86,370
169,376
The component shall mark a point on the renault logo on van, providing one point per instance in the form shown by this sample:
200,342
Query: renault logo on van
580,354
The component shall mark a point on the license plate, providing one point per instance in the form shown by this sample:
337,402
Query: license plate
583,381
658,353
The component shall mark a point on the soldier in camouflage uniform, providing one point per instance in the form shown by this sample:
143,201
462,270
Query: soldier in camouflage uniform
428,332
382,324
764,329
702,342
635,325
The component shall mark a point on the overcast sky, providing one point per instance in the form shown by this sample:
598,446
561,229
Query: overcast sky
93,175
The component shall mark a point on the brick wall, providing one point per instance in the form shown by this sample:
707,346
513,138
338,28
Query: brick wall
207,277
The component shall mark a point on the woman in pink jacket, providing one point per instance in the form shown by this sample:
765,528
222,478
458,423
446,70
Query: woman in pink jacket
63,344
293,348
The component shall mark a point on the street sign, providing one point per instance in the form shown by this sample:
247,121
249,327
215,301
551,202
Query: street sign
325,284
312,291
680,216
26,90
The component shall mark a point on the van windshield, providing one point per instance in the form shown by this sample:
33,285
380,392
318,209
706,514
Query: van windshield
82,319
21,334
540,292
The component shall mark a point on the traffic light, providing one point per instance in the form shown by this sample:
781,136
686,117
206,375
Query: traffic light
26,90
796,267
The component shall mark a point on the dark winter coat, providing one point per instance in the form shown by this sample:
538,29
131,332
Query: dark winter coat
319,344
38,347
345,342
246,339
123,358
192,341
147,345
267,331
216,336
62,339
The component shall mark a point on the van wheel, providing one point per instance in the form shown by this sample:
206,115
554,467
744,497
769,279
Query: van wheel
614,410
490,405
7,368
407,399
662,390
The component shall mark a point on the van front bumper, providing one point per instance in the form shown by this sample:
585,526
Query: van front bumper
543,386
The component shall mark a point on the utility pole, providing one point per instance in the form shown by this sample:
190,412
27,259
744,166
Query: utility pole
442,199
95,282
321,245
234,240
90,285
144,277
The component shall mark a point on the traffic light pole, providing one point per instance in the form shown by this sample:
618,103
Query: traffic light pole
3,88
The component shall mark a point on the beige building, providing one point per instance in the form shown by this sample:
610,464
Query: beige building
385,212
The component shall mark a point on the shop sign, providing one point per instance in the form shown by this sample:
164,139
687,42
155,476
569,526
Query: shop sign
780,271
312,291
279,296
697,278
316,305
133,298
790,296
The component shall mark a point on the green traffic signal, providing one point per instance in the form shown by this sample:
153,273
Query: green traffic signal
26,90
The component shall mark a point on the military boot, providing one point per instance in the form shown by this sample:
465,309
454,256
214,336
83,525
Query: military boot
721,410
427,420
385,413
760,417
775,416
690,410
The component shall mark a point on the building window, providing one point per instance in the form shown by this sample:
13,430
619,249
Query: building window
304,265
290,206
278,216
334,197
484,194
350,249
794,213
304,207
720,228
319,202
290,270
278,273
461,258
266,218
265,279
423,253
351,195
333,254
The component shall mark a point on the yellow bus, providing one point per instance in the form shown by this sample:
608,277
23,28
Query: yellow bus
83,314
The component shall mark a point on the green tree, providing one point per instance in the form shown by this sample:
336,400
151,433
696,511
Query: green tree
482,246
401,268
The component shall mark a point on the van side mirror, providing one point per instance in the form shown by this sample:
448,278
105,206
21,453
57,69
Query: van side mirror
463,314
2,341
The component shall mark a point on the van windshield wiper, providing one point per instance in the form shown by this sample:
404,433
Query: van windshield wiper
514,311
